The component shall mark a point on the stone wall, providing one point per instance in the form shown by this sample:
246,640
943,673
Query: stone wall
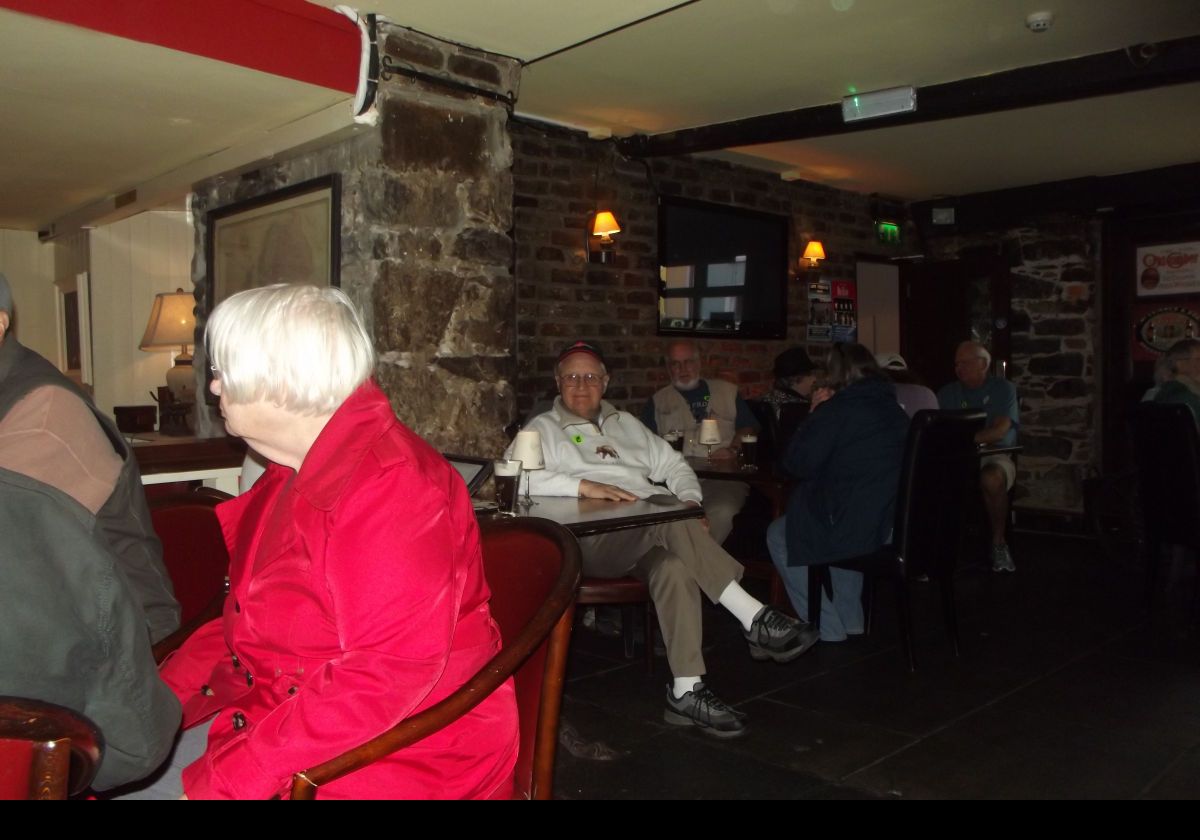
426,210
559,176
1055,339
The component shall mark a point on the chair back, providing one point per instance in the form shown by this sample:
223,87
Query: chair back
939,481
46,751
532,567
523,561
1167,456
194,549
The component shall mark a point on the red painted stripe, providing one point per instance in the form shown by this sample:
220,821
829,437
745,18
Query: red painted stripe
289,38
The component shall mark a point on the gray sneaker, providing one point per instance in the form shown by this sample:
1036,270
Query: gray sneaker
700,707
1002,560
774,635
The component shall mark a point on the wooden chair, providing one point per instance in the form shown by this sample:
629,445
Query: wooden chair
937,483
532,566
1167,454
46,751
628,592
195,556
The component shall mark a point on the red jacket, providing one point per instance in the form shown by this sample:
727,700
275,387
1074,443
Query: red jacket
357,598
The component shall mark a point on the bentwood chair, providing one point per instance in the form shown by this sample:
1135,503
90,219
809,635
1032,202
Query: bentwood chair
196,558
46,751
1167,455
938,478
532,567
627,592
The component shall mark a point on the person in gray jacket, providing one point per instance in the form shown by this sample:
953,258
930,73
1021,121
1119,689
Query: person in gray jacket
74,633
51,432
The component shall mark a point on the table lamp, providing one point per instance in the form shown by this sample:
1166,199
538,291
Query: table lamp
527,449
710,435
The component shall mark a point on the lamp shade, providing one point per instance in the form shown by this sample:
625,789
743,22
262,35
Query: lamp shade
814,251
605,224
172,325
527,448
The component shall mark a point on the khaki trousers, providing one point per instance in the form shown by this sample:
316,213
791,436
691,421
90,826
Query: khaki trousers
722,501
678,561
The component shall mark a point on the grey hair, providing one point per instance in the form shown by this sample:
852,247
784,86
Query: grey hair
851,362
1180,351
980,351
303,348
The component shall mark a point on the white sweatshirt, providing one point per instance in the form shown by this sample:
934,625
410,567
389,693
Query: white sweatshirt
619,450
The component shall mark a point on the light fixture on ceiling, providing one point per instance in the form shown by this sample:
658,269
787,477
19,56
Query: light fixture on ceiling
172,327
879,103
601,226
814,252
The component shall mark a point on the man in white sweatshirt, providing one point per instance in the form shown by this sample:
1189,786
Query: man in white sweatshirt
592,450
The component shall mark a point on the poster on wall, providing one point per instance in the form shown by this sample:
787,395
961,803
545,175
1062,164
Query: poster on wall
820,311
1157,327
845,310
1171,269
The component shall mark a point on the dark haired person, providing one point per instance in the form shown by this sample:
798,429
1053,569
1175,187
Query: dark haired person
846,460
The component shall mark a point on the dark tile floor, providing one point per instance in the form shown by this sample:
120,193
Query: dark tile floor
1066,689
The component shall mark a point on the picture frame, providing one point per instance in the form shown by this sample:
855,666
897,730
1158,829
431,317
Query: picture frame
291,235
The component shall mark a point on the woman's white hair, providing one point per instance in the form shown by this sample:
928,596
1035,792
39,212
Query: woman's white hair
303,348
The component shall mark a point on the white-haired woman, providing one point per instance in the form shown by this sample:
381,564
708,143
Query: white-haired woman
357,594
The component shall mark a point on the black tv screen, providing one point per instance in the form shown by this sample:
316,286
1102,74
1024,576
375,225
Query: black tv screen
722,270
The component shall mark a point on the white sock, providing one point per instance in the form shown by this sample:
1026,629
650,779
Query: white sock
683,685
741,603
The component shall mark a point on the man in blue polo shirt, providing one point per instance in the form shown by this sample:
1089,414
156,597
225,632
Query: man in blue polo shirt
998,399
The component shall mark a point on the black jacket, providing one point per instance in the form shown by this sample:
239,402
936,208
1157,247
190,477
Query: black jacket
73,633
846,459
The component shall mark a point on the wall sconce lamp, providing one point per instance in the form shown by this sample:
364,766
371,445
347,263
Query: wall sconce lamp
813,254
601,226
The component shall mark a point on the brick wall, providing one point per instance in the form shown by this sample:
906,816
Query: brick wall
561,297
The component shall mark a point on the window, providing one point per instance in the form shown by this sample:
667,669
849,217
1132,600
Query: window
722,270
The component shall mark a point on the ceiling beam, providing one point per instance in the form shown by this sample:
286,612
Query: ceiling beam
289,38
1138,67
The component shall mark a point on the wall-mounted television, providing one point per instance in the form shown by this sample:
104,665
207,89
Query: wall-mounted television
723,271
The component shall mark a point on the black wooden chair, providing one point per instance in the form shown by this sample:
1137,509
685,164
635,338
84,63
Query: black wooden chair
938,481
1167,455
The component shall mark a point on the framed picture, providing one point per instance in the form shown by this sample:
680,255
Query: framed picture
288,236
291,235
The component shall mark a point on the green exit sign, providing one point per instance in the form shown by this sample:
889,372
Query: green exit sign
888,232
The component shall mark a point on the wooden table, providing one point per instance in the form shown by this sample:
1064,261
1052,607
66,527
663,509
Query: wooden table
586,517
162,459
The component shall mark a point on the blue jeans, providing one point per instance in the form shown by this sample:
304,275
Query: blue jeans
840,617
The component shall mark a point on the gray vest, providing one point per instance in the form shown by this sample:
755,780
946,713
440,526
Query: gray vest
124,519
671,412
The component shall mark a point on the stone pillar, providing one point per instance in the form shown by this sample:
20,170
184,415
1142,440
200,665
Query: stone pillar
426,214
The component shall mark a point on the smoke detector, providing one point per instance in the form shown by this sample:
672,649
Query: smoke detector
1039,21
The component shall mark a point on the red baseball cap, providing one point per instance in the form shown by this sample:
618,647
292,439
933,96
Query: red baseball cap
582,347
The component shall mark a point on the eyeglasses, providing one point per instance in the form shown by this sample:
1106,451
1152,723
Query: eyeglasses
679,364
582,380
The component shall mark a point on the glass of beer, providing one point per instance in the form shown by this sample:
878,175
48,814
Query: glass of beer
749,452
506,474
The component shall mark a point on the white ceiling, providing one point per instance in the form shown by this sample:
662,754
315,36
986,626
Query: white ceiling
89,116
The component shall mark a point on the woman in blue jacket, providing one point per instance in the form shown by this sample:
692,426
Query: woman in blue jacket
846,462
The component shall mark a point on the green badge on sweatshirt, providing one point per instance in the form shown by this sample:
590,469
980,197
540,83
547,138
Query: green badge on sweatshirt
577,438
